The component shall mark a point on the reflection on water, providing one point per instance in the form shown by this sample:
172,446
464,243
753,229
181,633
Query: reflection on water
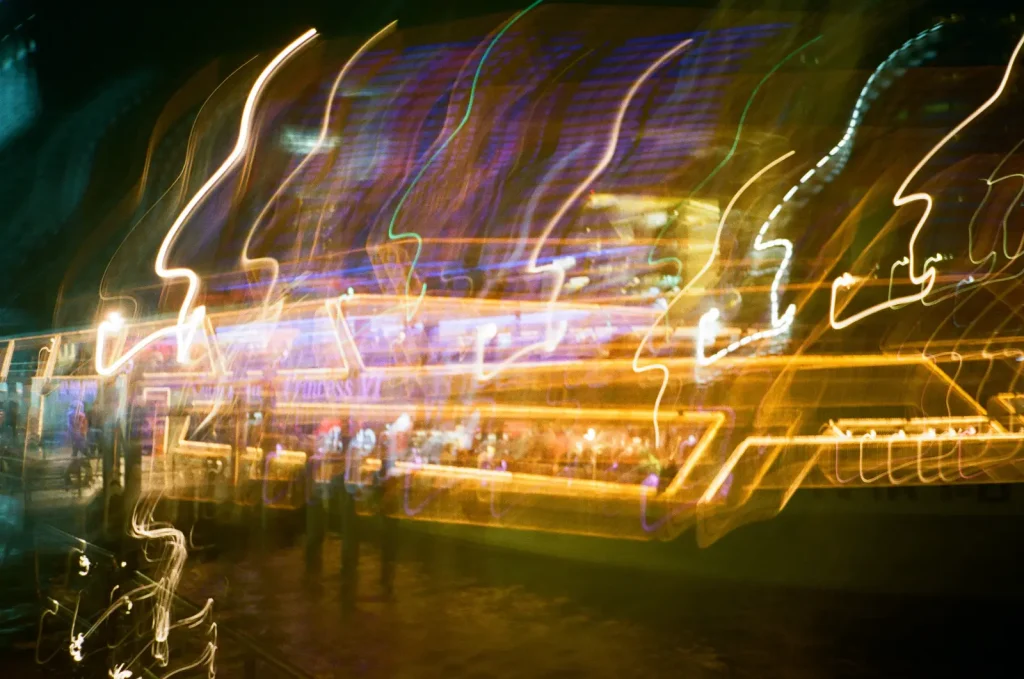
460,611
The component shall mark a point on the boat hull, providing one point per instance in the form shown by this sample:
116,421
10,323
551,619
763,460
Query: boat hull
958,541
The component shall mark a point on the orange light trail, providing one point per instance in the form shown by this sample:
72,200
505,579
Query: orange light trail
707,265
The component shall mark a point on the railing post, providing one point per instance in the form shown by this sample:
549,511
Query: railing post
314,518
349,546
388,535
349,531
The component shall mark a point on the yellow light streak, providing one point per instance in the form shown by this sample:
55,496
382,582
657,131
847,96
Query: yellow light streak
664,314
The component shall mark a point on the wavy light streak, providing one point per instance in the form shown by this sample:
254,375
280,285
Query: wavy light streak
703,270
189,320
554,333
926,279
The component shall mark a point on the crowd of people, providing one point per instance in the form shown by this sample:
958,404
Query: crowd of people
363,448
610,453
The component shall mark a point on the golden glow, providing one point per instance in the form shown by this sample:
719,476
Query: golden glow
700,336
577,387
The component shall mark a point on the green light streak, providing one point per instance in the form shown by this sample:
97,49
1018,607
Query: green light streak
729,155
469,109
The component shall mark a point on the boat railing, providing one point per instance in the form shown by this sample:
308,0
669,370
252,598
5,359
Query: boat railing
27,478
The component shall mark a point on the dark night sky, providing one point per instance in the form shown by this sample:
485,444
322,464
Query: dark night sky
85,43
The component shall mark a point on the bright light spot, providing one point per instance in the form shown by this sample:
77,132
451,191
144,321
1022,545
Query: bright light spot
300,141
577,283
656,219
120,672
75,648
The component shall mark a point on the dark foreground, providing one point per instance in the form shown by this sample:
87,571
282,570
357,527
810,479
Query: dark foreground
444,608
462,611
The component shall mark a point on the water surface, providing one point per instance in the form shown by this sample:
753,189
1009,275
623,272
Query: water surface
458,610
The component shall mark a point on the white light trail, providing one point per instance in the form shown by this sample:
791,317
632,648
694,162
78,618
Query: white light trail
679,295
555,333
926,279
189,320
780,323
270,262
